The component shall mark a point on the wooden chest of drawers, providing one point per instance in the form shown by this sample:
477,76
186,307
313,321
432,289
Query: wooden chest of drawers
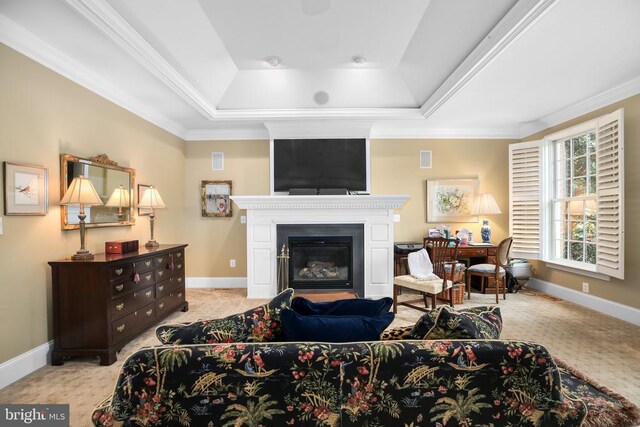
100,305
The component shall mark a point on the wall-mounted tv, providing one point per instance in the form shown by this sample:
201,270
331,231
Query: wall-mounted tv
320,163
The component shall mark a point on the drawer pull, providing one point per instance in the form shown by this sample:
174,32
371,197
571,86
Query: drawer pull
179,266
179,279
179,255
148,294
120,328
180,295
119,287
120,306
147,277
119,271
160,273
161,305
159,260
135,295
147,263
136,278
160,288
148,313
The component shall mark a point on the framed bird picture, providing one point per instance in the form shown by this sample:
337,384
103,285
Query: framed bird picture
25,189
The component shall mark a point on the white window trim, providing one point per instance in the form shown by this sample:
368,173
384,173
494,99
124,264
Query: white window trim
559,264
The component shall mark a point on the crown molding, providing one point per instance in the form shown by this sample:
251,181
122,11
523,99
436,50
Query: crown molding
601,100
383,131
103,17
227,134
522,16
320,129
21,40
320,113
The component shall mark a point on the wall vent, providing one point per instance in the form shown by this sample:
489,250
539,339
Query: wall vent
425,159
217,161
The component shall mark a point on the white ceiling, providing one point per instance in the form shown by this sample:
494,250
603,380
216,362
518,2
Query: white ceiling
435,68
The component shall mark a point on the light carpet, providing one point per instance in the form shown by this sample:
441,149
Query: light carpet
602,347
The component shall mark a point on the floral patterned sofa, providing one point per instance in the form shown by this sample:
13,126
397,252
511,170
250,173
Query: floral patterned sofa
383,383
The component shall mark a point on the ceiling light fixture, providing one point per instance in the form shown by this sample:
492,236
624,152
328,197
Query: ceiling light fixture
359,60
274,61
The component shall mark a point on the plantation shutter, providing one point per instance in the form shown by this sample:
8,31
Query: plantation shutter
525,194
610,190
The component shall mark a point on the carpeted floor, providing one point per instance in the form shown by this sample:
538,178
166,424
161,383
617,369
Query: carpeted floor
600,346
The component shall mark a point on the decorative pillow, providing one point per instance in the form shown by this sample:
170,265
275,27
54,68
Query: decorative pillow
343,307
396,334
470,323
296,327
260,324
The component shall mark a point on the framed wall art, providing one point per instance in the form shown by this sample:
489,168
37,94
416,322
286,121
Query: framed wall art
141,190
451,200
216,198
25,189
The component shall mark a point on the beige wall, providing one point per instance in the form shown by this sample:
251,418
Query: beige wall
41,116
622,291
216,240
395,170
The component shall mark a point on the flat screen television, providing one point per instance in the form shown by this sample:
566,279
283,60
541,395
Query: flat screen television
320,163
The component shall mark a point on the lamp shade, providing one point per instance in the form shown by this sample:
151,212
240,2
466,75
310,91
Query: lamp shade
151,199
119,198
81,192
485,204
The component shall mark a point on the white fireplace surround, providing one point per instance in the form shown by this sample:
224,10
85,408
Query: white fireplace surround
264,213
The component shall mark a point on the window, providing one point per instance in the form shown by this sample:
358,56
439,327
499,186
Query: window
566,197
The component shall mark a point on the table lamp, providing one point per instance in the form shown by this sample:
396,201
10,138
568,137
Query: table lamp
81,193
151,199
120,199
485,204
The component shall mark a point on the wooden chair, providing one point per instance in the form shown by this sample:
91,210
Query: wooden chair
444,259
495,271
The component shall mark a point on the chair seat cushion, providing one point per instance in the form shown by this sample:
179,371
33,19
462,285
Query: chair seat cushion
484,268
432,287
343,307
321,328
471,323
260,324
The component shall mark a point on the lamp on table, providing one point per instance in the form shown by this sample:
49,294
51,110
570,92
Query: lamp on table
485,204
81,193
151,199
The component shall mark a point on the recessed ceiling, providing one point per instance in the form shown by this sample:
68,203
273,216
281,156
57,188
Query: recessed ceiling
199,69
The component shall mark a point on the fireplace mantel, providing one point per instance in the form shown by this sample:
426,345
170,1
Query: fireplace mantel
321,202
264,213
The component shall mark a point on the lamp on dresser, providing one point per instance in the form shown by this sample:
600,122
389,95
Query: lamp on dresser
81,193
485,204
119,199
151,199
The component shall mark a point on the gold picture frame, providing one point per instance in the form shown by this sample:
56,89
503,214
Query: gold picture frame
216,198
451,200
25,189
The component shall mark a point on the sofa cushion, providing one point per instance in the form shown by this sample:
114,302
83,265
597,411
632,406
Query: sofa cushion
343,307
470,323
321,328
260,324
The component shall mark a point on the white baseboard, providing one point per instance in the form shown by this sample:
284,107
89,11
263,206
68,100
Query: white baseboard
216,282
611,308
24,364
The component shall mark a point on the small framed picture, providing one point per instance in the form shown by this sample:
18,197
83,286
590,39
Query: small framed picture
141,190
216,198
451,200
25,189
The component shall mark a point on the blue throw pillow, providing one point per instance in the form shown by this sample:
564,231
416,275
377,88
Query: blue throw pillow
321,328
342,307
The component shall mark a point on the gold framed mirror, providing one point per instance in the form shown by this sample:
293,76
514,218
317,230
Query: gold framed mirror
106,176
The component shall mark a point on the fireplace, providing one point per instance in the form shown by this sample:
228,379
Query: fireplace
324,257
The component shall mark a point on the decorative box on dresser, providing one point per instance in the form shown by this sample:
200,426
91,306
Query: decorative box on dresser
100,305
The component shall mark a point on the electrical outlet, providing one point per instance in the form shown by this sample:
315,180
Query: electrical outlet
396,217
232,263
243,219
585,287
